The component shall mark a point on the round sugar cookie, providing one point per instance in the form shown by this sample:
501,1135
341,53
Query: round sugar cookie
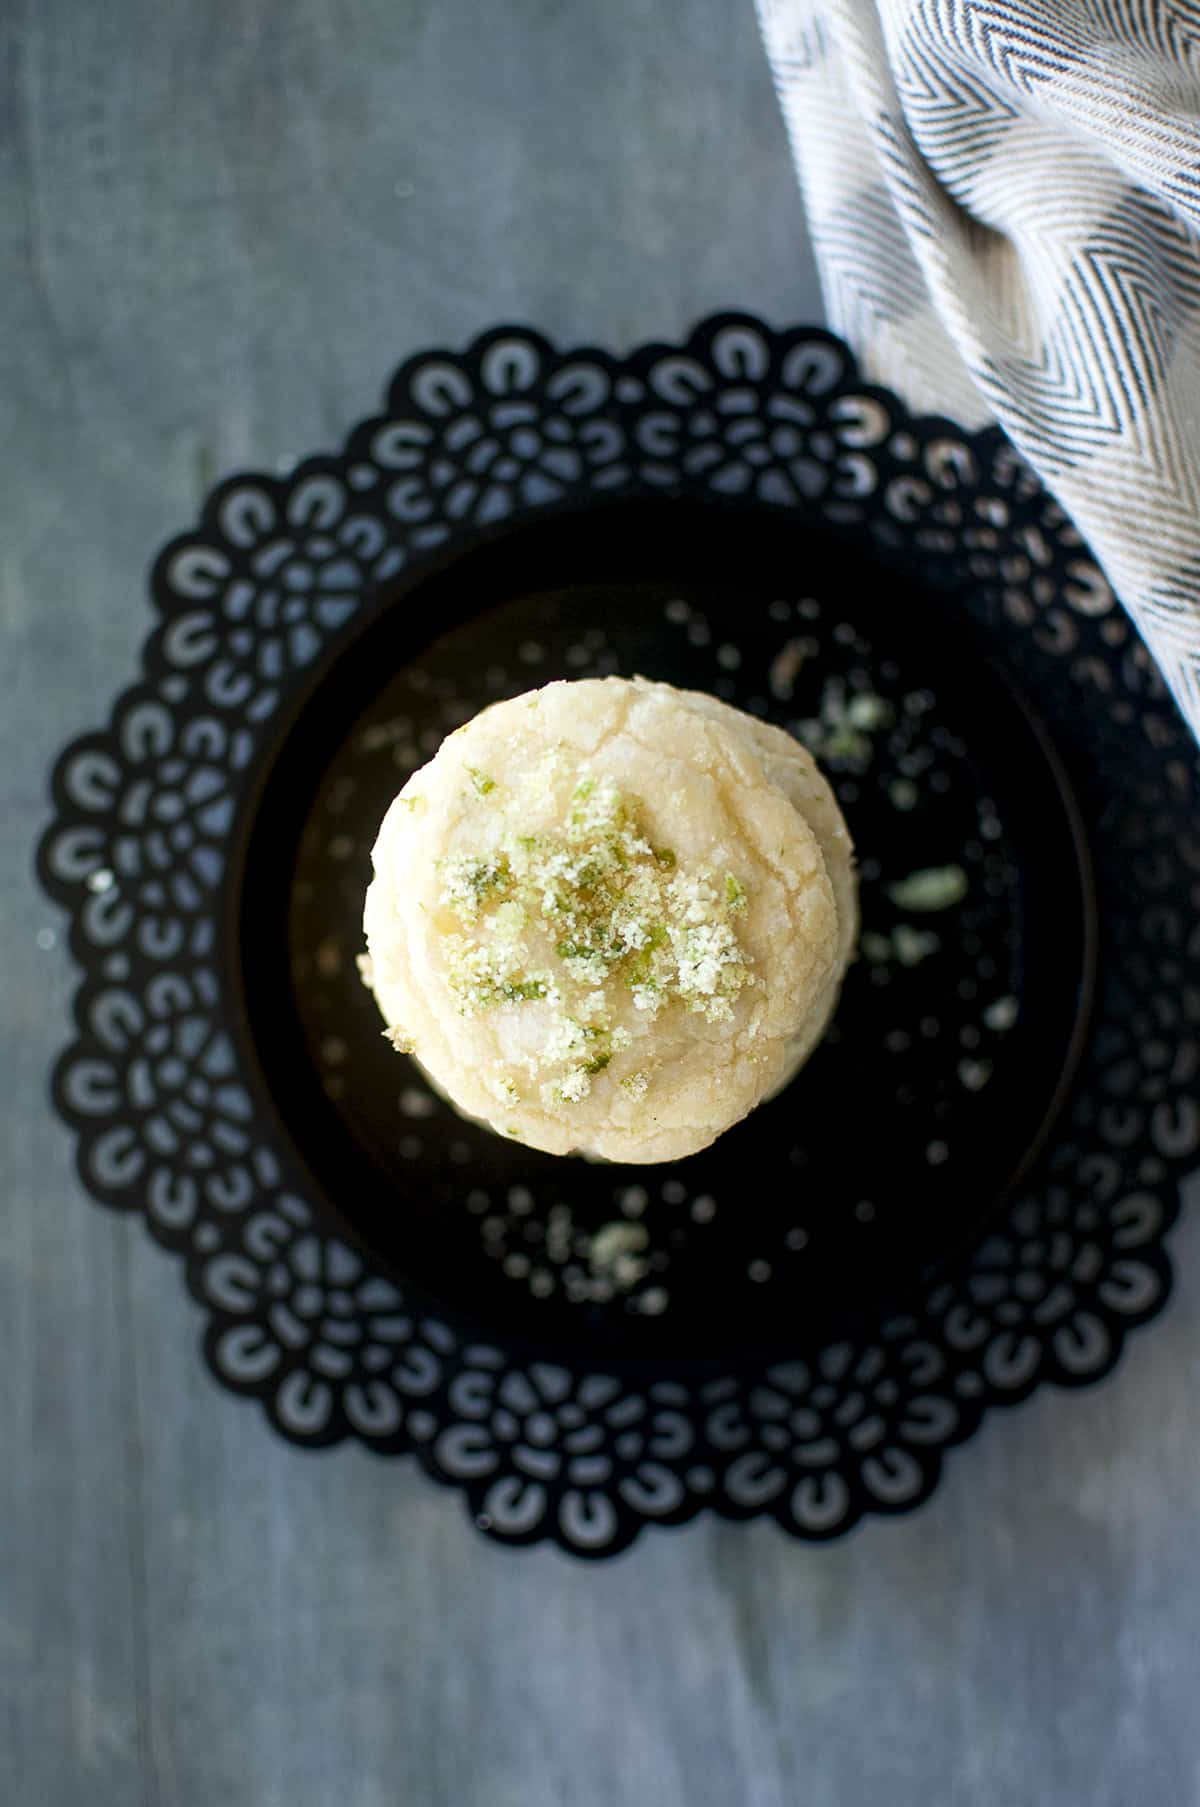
609,917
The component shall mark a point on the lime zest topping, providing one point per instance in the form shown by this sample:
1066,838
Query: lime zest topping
1002,1013
624,921
470,878
613,1240
480,782
869,713
933,888
841,733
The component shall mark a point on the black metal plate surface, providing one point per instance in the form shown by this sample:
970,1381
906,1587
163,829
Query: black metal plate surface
898,1139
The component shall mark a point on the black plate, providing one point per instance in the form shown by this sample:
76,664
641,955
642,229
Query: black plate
943,1074
831,1297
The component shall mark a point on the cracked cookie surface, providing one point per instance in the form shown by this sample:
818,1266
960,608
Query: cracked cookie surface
610,917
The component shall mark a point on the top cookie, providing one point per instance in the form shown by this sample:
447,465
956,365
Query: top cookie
609,916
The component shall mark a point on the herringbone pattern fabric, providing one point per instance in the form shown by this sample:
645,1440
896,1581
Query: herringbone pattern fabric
1004,196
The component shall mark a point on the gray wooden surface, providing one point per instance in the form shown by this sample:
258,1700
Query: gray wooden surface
222,223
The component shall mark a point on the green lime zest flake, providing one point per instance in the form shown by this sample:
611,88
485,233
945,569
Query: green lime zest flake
846,743
1001,1014
486,991
735,894
522,991
598,1063
613,1240
641,969
639,972
933,888
842,732
583,790
470,878
666,857
480,781
868,712
913,945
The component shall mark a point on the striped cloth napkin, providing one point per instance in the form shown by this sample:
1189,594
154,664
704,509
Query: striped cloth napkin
1004,198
